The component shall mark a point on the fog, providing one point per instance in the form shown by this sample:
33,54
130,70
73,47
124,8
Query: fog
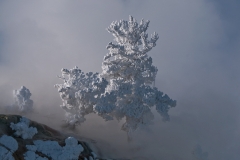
197,56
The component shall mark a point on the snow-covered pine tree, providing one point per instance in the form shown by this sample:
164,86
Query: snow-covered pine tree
130,73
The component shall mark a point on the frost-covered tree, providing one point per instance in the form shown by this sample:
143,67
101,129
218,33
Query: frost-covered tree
79,93
130,73
124,88
22,101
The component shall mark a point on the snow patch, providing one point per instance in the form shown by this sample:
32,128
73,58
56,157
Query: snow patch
9,142
70,151
94,155
23,130
5,154
30,155
8,145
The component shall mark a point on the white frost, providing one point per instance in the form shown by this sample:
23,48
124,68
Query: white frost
8,145
9,142
5,154
30,155
70,151
23,130
94,155
79,93
22,101
130,73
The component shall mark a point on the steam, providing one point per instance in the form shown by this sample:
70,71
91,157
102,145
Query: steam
196,54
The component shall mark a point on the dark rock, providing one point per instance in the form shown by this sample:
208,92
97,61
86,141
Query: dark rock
44,133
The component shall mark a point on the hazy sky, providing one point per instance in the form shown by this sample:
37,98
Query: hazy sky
197,56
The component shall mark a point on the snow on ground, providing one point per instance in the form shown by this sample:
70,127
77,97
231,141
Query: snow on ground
30,155
23,130
49,149
8,145
70,151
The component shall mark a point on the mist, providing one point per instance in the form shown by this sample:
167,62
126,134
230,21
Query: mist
197,56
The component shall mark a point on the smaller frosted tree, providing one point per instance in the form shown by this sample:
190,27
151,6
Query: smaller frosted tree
22,101
79,93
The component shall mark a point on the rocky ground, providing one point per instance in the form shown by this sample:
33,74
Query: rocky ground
45,133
